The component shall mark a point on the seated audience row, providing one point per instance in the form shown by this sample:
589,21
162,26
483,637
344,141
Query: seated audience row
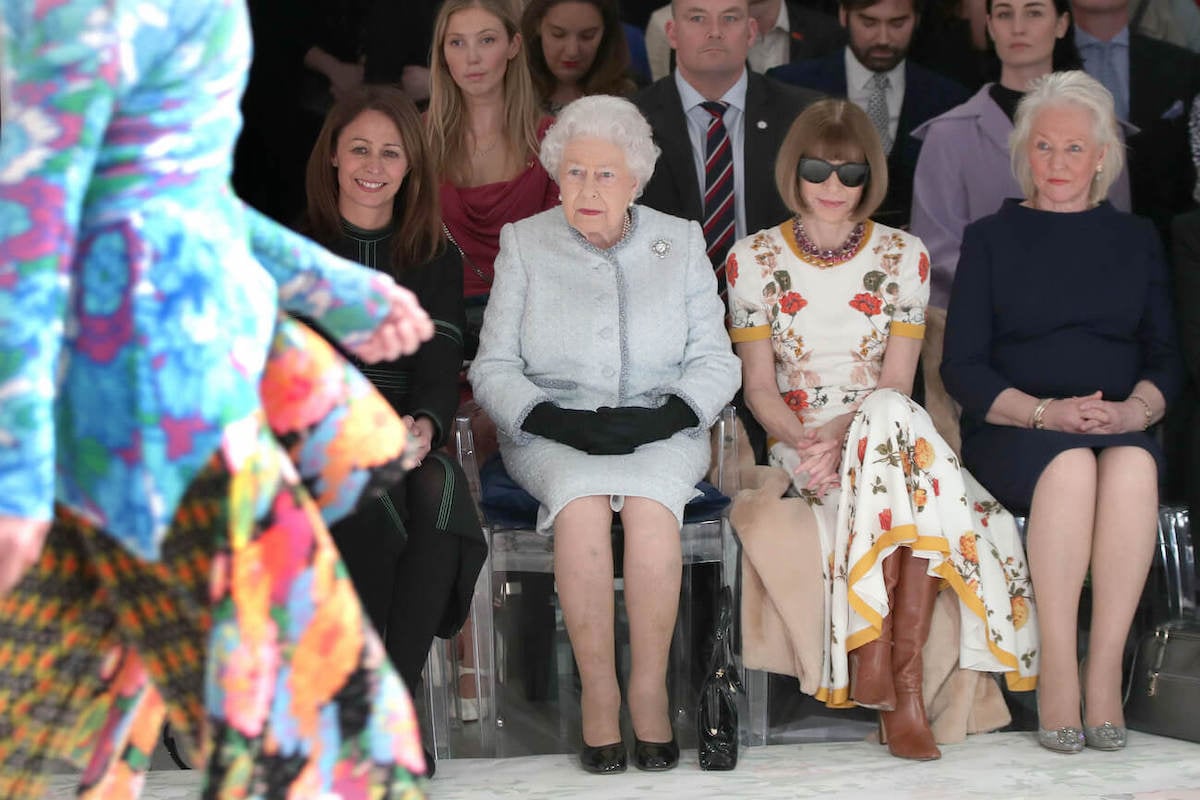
810,365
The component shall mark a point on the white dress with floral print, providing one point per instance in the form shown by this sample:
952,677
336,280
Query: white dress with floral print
901,483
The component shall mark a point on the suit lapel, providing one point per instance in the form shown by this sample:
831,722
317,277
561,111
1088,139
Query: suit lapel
1148,95
757,139
837,71
669,122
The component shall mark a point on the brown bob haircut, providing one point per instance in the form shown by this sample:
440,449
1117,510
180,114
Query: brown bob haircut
609,73
835,130
416,212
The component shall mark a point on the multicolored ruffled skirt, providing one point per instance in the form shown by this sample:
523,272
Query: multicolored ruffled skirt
246,635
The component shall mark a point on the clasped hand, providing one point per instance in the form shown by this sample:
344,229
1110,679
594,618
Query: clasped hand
820,452
610,431
1092,414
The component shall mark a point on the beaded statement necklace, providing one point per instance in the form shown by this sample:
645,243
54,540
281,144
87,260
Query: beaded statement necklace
826,258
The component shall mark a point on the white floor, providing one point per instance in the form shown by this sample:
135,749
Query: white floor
1004,765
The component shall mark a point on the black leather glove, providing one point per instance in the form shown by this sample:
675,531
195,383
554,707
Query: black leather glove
630,427
583,430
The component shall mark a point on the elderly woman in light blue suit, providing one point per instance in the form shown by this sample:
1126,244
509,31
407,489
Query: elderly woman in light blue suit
604,361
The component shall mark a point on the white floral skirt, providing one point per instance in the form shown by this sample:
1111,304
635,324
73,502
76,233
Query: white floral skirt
902,485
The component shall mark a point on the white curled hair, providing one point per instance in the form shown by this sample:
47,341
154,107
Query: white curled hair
613,119
1069,88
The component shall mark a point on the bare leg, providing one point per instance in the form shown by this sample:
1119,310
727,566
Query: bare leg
584,573
1060,546
653,571
1122,548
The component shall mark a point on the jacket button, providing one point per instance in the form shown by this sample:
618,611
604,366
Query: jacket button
605,333
609,372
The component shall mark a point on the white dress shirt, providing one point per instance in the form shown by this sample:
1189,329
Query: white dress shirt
773,48
858,89
735,126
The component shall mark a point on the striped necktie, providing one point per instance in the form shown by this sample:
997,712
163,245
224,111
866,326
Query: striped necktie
719,216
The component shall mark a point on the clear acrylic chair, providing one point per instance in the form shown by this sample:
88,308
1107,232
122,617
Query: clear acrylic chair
518,577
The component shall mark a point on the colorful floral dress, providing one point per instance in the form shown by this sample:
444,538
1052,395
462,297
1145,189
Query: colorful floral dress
186,438
901,484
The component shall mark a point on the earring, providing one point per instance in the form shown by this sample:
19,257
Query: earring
1099,168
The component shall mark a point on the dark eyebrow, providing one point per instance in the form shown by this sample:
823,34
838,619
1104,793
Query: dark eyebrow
368,141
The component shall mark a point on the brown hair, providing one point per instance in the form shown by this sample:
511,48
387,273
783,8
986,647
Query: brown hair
416,214
835,130
446,120
609,73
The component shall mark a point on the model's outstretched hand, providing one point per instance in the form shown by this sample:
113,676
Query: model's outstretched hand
401,333
21,541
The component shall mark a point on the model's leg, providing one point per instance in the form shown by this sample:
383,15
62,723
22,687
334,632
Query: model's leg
1059,545
653,571
1122,548
57,637
583,570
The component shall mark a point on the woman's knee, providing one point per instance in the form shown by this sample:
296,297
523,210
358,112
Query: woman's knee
643,513
892,404
1075,466
1070,477
1127,464
591,511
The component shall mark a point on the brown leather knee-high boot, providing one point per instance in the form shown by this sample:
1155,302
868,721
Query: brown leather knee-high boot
906,729
871,684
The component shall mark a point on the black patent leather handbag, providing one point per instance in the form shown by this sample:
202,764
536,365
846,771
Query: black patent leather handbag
717,715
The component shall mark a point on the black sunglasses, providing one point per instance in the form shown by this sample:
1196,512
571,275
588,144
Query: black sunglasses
817,170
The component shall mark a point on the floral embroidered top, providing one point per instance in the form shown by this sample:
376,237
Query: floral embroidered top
828,325
138,302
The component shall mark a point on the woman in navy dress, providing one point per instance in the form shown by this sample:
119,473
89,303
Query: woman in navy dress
1061,348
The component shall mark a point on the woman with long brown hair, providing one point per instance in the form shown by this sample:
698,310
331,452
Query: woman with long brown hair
484,125
372,198
575,48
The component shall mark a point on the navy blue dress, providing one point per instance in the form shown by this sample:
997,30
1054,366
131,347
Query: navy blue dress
1055,304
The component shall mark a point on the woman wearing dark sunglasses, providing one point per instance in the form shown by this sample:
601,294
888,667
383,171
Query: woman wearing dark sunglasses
828,313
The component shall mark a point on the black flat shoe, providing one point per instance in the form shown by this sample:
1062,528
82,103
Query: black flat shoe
605,759
655,756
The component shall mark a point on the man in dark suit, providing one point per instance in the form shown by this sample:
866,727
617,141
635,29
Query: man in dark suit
787,31
874,72
711,39
1154,84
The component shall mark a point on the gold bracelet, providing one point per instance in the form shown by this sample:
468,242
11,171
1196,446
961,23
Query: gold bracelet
1145,408
1036,422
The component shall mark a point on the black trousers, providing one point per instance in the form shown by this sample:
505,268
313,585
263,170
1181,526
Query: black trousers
413,556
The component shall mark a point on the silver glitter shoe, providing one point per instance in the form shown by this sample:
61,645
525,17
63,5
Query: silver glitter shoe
1105,736
1061,740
